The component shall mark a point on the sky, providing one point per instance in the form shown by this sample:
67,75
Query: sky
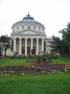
53,14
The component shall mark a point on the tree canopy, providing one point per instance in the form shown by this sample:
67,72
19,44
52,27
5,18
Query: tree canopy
62,46
56,45
66,34
4,44
4,39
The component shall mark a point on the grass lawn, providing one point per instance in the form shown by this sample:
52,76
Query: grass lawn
35,84
61,60
9,61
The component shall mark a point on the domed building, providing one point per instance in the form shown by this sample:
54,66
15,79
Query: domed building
29,37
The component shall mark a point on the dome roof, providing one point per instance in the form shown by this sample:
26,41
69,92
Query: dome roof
28,17
28,23
28,20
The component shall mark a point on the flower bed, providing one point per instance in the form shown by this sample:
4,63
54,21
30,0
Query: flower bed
35,68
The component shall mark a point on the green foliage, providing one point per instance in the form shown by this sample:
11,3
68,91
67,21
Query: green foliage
57,45
4,43
66,34
38,58
66,37
35,84
0,52
62,46
41,57
4,39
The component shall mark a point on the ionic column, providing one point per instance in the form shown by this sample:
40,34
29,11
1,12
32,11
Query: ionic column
14,45
37,50
31,43
42,45
25,46
20,46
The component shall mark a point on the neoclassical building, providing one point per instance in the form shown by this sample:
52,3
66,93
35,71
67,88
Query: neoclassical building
29,35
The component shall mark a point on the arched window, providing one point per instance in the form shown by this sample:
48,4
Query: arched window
28,27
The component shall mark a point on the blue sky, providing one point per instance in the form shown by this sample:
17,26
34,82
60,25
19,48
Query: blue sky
53,14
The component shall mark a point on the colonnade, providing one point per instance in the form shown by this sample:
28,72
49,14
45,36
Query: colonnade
20,45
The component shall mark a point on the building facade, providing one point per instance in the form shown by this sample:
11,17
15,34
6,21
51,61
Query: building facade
29,37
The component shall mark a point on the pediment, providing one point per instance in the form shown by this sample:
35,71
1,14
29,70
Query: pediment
28,32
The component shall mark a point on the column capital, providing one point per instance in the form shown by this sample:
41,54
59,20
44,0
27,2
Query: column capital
37,38
31,38
25,38
20,38
42,38
14,38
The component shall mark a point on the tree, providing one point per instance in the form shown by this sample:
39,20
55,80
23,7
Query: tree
4,43
56,45
66,37
62,46
59,46
0,52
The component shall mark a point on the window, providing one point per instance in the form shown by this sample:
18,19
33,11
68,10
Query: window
34,27
28,27
39,28
17,28
22,27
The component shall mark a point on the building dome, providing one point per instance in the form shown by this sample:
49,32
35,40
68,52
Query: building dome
28,17
28,23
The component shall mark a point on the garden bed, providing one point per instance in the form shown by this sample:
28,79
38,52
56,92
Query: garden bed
35,68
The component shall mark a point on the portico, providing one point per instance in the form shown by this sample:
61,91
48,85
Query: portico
26,45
